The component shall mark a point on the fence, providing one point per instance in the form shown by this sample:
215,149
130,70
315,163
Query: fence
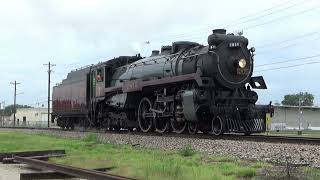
35,124
293,118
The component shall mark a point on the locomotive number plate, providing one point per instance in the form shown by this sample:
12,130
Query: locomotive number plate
242,71
131,86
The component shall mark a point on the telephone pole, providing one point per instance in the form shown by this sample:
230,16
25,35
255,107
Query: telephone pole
3,106
300,116
49,88
14,101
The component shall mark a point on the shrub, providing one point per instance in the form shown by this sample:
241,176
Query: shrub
247,172
91,137
187,151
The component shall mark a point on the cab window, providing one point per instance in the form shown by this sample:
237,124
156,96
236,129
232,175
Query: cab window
99,76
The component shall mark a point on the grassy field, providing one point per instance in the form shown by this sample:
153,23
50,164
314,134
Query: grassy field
138,162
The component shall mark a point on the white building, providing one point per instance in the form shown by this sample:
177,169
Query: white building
30,117
288,117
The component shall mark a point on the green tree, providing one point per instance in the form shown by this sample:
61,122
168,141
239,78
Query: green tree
8,110
306,99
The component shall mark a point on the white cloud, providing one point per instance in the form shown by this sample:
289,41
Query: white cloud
82,32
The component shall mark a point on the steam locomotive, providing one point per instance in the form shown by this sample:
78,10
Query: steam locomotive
185,88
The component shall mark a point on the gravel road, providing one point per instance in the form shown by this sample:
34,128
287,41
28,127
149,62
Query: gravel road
299,154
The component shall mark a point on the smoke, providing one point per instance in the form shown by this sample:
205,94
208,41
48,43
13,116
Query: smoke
136,47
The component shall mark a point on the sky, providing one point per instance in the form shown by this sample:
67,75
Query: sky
75,33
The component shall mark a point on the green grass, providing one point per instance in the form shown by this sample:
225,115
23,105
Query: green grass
140,163
186,151
314,174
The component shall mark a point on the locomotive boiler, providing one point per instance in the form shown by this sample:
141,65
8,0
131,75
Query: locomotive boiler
185,87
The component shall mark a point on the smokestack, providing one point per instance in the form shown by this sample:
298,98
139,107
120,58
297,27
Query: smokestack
155,53
219,31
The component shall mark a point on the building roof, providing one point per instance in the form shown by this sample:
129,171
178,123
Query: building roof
33,108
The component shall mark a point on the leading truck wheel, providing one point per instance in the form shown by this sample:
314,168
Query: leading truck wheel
217,126
145,117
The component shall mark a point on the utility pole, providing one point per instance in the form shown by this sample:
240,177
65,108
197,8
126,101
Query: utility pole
1,114
300,114
49,87
3,108
2,104
14,101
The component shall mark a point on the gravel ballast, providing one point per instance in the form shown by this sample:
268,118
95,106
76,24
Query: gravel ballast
299,154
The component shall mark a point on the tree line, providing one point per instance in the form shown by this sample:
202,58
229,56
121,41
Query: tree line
301,98
9,110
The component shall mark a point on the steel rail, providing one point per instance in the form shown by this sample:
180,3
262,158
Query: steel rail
32,153
286,139
69,170
51,174
43,158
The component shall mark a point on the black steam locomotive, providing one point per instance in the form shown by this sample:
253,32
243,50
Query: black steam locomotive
187,87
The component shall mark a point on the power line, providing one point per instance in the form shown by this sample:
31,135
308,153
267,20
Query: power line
268,49
279,48
259,17
288,40
235,20
264,15
291,66
266,22
289,60
280,18
265,10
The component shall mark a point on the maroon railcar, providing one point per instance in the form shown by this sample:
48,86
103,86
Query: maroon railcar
74,99
70,98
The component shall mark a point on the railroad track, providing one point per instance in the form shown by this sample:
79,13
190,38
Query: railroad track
69,170
50,170
238,137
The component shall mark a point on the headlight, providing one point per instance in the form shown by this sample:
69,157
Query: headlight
242,63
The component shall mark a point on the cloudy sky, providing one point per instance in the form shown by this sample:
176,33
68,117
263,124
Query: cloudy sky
74,33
